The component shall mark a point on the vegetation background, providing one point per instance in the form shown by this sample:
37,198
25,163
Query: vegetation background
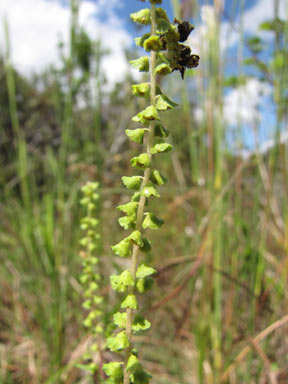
219,305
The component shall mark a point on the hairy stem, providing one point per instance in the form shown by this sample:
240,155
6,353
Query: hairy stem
140,211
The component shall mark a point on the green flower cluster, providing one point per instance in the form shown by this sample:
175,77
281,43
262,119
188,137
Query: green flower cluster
172,54
90,277
137,279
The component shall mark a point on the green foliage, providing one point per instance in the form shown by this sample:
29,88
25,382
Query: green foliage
255,44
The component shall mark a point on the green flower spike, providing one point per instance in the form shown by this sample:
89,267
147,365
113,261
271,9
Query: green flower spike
89,277
167,54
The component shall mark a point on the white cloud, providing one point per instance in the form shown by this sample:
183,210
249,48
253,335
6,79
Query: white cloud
241,104
261,11
36,25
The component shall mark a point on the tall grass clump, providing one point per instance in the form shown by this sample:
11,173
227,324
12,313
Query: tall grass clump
136,280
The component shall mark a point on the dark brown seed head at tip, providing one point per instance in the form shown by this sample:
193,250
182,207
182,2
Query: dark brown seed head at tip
184,30
193,61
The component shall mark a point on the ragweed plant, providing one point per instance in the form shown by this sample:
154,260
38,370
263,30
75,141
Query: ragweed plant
90,276
167,54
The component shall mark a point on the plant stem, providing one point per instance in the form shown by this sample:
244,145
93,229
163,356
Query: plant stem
142,201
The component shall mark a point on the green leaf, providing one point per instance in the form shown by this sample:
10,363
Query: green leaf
136,238
122,249
255,44
114,370
142,17
140,324
130,302
140,377
142,64
121,282
136,135
162,69
276,25
149,114
143,271
132,182
160,13
160,131
127,222
144,284
142,161
141,90
133,364
150,190
87,304
146,247
161,148
164,103
118,342
153,43
130,208
157,178
139,41
234,81
120,319
136,197
152,221
163,25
